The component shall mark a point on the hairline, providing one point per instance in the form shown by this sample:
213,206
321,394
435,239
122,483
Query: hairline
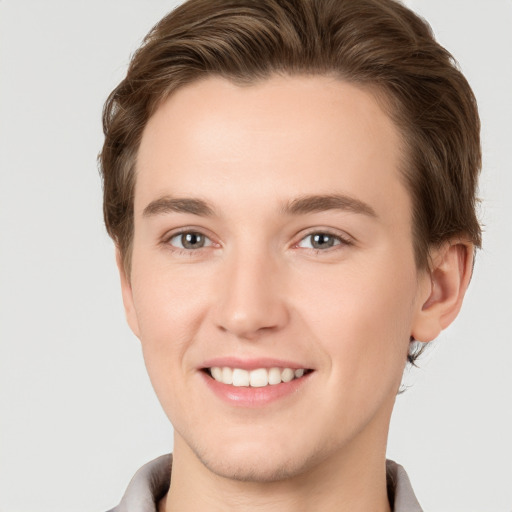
378,91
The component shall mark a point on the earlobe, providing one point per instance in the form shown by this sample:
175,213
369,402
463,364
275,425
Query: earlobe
126,290
450,273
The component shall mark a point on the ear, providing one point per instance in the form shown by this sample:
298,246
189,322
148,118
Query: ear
126,289
449,275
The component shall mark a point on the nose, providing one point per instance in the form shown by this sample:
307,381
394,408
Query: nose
251,298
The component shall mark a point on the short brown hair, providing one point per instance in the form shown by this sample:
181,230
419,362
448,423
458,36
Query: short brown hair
377,44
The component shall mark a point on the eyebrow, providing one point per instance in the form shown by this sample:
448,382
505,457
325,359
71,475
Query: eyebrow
319,203
299,206
169,204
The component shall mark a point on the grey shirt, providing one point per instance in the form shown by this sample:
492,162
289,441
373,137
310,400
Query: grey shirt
151,482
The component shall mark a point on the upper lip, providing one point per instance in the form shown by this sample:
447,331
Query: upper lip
252,363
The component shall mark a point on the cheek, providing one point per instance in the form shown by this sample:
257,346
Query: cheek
362,319
169,308
168,302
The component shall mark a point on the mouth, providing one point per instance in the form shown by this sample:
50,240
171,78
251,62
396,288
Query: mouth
256,378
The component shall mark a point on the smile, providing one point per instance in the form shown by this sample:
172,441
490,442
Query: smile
257,378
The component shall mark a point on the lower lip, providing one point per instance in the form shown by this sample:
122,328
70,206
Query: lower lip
254,397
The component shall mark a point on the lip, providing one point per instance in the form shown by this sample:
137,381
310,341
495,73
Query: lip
253,397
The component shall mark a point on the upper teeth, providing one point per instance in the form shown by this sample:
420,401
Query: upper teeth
254,378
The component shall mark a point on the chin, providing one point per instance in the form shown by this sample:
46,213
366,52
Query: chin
255,469
257,464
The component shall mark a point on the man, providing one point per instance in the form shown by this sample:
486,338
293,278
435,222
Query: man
290,185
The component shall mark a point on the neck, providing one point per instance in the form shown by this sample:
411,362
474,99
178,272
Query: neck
352,480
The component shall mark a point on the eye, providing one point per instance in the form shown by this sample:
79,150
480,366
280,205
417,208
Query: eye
189,240
321,241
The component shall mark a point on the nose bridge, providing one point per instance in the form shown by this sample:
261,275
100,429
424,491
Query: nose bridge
251,297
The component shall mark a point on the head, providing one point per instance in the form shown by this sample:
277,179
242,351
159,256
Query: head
373,61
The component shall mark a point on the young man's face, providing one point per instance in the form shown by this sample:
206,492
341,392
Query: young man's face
273,230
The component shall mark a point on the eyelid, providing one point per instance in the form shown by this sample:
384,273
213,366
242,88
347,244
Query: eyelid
343,238
169,235
208,242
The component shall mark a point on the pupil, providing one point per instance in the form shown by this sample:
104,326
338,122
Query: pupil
192,240
322,240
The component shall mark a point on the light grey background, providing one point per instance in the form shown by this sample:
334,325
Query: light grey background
77,413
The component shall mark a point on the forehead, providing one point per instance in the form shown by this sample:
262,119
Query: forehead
276,139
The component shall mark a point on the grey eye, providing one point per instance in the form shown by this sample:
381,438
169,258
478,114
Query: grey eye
190,240
319,241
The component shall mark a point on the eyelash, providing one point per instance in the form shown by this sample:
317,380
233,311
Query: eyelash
339,241
183,250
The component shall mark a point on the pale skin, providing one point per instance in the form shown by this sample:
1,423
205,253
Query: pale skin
253,174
